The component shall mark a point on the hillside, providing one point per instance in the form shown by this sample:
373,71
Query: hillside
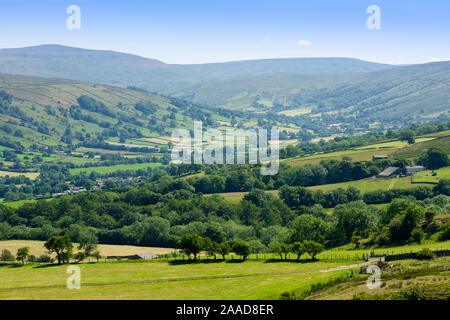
52,112
130,70
418,90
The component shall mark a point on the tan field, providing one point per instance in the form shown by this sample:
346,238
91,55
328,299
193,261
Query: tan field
31,175
37,248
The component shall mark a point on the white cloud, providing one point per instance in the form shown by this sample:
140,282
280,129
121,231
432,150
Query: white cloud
304,43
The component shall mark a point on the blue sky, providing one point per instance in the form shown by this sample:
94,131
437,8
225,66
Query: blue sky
198,31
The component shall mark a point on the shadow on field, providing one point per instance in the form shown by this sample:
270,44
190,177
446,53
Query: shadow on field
217,261
181,262
11,265
43,266
301,261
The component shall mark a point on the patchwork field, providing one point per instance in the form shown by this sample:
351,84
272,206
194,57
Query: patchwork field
365,185
364,153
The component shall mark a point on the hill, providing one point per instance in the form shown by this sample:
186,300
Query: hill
57,112
116,68
419,90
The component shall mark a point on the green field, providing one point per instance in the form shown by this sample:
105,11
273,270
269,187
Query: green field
365,185
364,153
162,280
175,279
105,170
427,176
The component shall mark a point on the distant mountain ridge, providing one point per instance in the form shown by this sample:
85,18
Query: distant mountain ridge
115,68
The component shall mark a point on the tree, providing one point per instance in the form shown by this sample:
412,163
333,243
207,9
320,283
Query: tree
6,255
434,158
87,241
445,231
79,256
313,248
298,248
275,248
22,254
60,245
408,136
211,247
191,244
224,249
242,248
443,187
417,235
308,227
285,249
96,254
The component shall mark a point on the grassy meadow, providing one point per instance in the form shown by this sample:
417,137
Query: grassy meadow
176,279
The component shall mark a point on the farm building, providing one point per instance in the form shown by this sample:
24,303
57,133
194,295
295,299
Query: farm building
139,256
389,172
374,158
415,169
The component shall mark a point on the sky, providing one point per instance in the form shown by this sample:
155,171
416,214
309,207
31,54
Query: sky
199,31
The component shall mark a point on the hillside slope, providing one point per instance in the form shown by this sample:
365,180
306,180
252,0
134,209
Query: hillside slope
115,68
54,112
407,88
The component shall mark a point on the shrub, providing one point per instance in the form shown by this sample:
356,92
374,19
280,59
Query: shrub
412,293
425,254
7,256
44,259
417,235
445,231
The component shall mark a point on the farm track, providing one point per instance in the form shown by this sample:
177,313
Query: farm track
345,267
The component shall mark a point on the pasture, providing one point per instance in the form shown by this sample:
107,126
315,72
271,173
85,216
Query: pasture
364,153
427,176
164,280
365,185
124,167
206,279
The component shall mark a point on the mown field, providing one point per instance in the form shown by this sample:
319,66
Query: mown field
162,280
176,279
37,248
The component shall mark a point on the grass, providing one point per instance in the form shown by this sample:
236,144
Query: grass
17,204
417,149
160,280
365,185
31,175
427,176
125,167
430,279
256,280
364,153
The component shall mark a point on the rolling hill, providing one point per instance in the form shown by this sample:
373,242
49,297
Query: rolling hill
407,88
121,69
52,112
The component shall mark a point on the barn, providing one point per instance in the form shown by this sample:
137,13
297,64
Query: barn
389,172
